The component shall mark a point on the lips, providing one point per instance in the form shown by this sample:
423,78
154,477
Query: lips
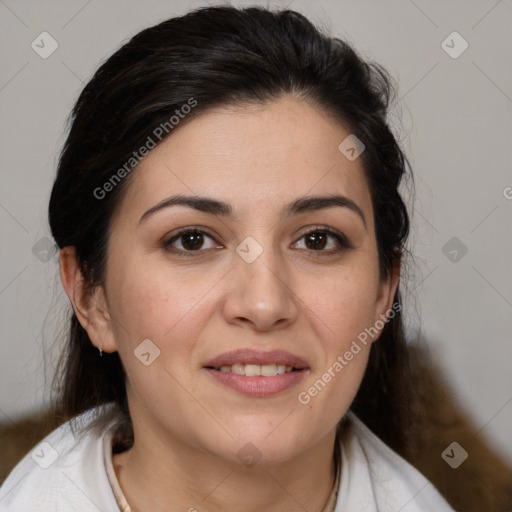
253,357
257,374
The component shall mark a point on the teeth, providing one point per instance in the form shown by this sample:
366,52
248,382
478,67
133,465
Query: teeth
254,370
239,369
268,370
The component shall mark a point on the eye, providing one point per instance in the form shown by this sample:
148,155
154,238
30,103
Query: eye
319,239
190,240
322,239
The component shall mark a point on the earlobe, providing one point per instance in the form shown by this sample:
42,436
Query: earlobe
89,303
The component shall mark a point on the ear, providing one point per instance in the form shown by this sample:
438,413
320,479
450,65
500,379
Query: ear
90,304
385,297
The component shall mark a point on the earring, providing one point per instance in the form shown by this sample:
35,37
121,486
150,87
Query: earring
101,352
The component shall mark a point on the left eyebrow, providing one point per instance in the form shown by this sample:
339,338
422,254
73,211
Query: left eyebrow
313,203
220,208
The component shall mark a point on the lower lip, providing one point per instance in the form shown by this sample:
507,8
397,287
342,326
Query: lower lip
258,386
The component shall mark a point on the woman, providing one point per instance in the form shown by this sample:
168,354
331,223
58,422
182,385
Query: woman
231,236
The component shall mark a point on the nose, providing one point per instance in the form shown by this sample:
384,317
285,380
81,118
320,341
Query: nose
260,295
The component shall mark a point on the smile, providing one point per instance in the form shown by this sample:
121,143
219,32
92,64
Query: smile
257,373
256,370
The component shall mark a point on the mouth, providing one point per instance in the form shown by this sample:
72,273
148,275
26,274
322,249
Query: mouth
253,363
257,374
256,370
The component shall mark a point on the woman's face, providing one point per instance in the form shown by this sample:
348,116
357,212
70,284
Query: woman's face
250,291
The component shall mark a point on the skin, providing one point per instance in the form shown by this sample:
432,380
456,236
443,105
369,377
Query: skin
188,427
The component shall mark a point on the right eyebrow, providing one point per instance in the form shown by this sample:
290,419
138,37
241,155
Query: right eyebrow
203,204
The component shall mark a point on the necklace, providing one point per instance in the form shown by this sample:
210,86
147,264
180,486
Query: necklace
333,497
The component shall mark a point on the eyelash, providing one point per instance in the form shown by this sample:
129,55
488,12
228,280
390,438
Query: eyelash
340,239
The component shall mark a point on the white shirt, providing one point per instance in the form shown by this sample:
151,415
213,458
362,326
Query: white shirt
67,471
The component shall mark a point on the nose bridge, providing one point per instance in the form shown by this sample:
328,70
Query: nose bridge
260,294
261,267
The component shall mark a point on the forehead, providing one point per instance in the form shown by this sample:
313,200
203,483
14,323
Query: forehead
251,155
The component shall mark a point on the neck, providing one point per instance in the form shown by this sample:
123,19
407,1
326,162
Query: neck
161,475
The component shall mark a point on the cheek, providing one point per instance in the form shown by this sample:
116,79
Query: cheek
167,309
346,304
153,302
345,312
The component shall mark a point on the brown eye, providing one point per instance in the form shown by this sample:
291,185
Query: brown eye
316,240
190,240
323,240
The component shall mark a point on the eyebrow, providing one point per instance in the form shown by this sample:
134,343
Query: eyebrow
222,209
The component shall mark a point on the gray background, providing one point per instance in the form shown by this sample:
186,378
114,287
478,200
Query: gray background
455,126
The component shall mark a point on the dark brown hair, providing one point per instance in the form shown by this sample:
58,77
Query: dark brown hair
220,56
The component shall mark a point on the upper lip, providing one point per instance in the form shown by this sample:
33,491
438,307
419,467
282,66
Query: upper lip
249,356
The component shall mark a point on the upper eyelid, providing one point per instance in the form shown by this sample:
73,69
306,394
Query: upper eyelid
183,231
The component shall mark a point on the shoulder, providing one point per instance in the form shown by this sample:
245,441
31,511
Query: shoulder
375,470
65,471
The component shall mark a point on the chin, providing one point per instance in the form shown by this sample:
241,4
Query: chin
266,444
